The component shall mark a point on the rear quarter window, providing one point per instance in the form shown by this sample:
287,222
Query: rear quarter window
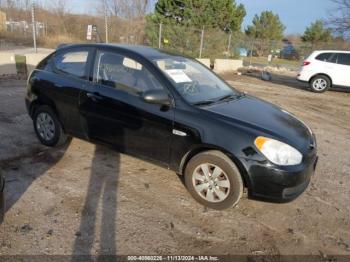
72,62
327,57
45,64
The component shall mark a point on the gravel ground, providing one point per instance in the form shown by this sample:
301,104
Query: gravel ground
87,199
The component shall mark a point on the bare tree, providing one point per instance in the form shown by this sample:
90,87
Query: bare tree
60,9
340,20
126,19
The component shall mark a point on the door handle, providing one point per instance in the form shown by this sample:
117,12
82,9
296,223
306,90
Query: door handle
94,96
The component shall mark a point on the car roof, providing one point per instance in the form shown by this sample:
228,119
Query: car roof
331,51
145,51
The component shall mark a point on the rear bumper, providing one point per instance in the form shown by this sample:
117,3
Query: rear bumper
302,81
279,184
303,78
305,74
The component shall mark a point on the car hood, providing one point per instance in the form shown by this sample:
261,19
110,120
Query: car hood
266,118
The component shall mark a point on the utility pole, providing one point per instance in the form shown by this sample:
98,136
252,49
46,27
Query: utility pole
34,27
201,46
160,36
229,44
251,52
106,22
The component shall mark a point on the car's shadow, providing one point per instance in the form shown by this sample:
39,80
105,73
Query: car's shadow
100,199
102,190
18,180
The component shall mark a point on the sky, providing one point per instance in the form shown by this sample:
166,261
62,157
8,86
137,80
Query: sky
296,15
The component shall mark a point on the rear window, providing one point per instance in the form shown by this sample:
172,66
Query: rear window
72,62
327,57
45,64
344,59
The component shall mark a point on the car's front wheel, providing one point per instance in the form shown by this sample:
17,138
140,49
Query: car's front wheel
48,128
214,180
320,84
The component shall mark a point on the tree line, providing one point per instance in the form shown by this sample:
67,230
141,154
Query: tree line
139,18
227,15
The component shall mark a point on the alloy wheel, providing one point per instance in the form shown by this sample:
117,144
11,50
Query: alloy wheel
320,84
45,126
211,183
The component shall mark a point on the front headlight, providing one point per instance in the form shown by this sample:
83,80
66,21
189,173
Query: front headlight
277,152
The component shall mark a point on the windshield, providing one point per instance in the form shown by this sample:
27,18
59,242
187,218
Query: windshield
196,83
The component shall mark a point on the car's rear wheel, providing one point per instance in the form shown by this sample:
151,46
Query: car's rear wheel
48,128
320,84
214,180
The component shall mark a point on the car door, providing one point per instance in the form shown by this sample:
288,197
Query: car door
325,63
70,74
343,70
112,110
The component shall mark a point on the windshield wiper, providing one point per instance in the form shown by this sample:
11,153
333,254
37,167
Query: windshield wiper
204,103
230,97
227,98
221,99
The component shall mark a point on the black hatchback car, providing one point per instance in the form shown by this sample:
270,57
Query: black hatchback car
176,112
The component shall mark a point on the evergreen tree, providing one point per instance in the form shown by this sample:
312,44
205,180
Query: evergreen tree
316,33
267,26
223,14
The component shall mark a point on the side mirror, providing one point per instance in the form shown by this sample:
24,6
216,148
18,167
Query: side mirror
156,96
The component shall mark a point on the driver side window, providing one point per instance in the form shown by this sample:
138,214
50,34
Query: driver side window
123,73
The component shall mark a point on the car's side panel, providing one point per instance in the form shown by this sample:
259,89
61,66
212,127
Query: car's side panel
201,132
127,122
343,72
66,95
61,92
119,118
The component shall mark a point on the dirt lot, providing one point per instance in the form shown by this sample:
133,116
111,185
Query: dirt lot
87,199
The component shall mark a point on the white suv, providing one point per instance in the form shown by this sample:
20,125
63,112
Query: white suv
324,69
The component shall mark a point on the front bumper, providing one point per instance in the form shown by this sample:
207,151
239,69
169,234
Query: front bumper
279,184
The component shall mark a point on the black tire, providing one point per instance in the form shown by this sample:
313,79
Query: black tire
230,173
59,137
320,84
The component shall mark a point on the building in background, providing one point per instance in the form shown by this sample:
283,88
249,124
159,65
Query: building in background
2,21
25,28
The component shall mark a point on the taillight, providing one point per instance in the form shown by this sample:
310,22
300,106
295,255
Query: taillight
305,63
